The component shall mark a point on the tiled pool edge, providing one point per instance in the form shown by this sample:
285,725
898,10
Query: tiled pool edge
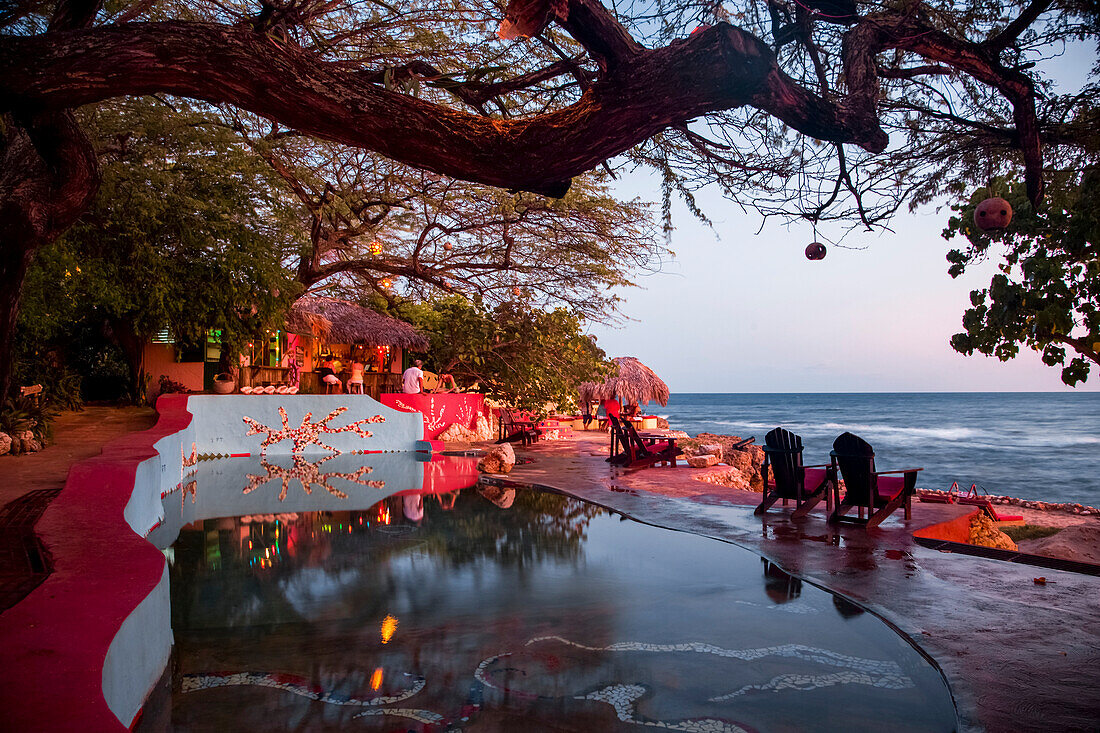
84,649
75,659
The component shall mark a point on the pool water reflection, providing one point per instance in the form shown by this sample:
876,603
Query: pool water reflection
492,609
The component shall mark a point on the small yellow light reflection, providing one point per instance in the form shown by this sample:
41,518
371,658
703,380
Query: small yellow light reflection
376,678
389,625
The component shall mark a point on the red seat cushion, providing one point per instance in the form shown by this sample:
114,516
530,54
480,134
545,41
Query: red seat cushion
890,486
815,477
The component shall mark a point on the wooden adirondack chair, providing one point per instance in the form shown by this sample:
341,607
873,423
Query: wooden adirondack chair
879,492
512,429
617,453
784,477
646,451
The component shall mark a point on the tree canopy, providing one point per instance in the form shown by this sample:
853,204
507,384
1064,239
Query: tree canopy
513,352
1046,293
188,234
375,226
821,109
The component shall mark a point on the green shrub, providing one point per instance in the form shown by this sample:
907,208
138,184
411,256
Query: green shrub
1030,532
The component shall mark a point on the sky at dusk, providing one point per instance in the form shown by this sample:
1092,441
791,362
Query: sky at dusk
749,313
738,311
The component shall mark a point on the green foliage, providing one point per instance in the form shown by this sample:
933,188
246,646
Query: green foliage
514,353
1046,293
188,233
1030,532
26,413
170,386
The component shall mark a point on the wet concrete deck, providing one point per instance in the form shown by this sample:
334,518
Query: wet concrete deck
1017,655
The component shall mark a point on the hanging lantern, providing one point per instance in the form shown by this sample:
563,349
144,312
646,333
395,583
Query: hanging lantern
385,283
815,251
448,246
517,292
375,247
993,213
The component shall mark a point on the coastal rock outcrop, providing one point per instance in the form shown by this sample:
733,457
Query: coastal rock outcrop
730,478
984,532
706,460
499,460
745,461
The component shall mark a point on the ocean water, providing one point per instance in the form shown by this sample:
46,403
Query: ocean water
1033,445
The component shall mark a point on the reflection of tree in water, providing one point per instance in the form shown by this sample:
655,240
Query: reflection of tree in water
235,574
537,526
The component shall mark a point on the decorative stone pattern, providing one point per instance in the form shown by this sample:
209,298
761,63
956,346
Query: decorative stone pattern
624,697
308,432
298,686
5,443
891,672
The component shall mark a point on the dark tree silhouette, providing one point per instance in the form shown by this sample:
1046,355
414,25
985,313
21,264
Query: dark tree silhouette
588,86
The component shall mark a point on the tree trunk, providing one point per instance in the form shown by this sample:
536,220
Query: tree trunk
13,270
48,178
133,347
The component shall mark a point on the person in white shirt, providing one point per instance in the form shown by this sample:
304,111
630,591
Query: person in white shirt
412,381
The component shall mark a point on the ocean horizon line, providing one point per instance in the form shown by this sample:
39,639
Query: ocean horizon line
910,392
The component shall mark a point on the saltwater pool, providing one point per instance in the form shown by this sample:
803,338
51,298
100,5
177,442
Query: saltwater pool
357,605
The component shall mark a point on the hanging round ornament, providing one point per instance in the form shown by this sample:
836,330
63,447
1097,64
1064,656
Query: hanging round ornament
993,213
815,251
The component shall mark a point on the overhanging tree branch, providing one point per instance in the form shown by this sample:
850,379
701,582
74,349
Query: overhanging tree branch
721,68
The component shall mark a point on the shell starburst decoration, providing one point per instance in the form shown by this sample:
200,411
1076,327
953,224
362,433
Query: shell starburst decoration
308,432
309,475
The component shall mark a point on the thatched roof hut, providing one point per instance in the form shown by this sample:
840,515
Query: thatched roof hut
634,384
342,322
306,323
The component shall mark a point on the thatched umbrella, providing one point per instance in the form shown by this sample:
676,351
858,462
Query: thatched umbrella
635,384
348,323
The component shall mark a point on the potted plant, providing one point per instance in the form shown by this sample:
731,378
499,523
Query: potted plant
224,383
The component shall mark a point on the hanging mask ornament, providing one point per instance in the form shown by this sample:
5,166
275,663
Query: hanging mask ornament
992,214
